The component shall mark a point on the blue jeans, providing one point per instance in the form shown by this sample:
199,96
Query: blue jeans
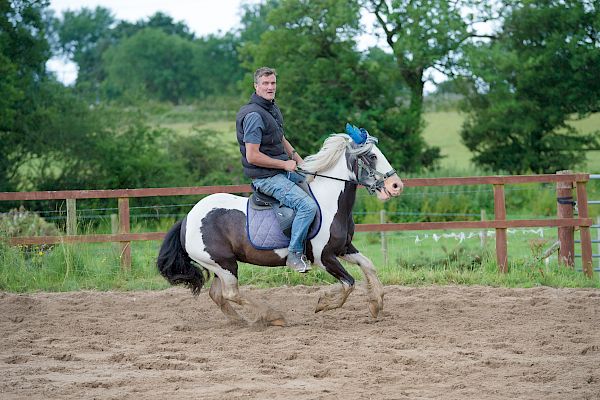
283,187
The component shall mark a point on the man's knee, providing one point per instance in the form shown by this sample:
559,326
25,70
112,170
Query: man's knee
310,205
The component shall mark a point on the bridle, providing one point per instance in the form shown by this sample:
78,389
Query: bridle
372,173
360,168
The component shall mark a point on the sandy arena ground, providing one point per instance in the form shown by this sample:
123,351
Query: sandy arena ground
430,343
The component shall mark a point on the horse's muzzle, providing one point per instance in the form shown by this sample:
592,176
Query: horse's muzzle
392,186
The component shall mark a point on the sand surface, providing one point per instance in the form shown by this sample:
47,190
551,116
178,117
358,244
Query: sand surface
429,343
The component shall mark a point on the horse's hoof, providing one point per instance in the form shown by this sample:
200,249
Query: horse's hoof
375,308
320,306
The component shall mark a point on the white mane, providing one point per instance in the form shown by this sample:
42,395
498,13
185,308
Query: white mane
333,148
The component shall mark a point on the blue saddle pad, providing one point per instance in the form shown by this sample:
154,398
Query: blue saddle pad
265,233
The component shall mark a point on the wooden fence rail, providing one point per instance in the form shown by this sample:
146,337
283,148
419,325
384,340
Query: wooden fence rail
565,183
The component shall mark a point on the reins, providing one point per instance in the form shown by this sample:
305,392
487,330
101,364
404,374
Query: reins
379,177
359,167
303,172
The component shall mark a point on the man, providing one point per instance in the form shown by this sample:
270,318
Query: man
270,161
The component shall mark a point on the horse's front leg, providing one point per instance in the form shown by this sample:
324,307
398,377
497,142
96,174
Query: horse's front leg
337,295
374,286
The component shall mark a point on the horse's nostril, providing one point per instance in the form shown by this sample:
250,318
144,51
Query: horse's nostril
395,186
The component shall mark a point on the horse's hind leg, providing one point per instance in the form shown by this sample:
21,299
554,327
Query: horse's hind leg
216,294
374,286
226,290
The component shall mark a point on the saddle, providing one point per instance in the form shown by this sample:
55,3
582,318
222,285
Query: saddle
269,223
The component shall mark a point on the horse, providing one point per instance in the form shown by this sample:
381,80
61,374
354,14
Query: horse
213,237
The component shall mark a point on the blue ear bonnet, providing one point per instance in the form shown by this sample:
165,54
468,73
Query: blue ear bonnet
358,135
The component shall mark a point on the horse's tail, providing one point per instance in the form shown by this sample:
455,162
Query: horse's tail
175,264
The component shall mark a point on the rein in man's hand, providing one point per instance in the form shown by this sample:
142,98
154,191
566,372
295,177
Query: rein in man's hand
290,165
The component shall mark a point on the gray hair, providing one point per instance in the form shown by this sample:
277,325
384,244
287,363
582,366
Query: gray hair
263,71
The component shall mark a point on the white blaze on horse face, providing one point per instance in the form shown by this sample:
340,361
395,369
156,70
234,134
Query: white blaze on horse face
392,184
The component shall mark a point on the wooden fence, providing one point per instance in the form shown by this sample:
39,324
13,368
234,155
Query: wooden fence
565,221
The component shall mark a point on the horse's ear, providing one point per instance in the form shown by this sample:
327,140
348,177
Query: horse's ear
359,136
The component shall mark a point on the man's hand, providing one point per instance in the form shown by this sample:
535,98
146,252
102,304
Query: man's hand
290,165
254,156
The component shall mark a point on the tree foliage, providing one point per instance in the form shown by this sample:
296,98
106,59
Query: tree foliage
170,63
529,83
325,82
151,64
23,53
52,139
82,36
426,34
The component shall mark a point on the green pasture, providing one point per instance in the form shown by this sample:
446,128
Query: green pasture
443,130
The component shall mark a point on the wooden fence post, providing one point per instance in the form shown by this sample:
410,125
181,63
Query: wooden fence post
500,215
383,238
564,209
71,217
124,227
586,238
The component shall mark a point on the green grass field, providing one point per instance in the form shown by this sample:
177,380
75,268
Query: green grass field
443,130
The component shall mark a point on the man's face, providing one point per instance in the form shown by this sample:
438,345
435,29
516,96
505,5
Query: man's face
266,87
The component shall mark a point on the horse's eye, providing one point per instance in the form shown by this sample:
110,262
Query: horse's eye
373,157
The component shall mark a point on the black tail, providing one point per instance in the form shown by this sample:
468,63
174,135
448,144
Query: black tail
176,265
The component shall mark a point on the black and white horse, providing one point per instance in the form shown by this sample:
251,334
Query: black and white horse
214,236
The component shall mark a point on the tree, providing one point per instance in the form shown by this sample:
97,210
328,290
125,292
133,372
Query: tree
427,34
82,37
254,20
51,139
325,82
23,54
151,64
529,83
217,66
85,35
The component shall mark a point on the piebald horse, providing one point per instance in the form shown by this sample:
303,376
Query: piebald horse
213,238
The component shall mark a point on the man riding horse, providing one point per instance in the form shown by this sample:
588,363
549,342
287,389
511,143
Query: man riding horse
271,161
219,231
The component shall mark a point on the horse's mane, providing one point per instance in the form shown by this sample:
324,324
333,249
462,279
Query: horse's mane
333,148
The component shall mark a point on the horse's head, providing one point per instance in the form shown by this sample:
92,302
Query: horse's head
370,166
364,163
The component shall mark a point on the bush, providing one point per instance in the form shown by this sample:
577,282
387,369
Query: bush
20,222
